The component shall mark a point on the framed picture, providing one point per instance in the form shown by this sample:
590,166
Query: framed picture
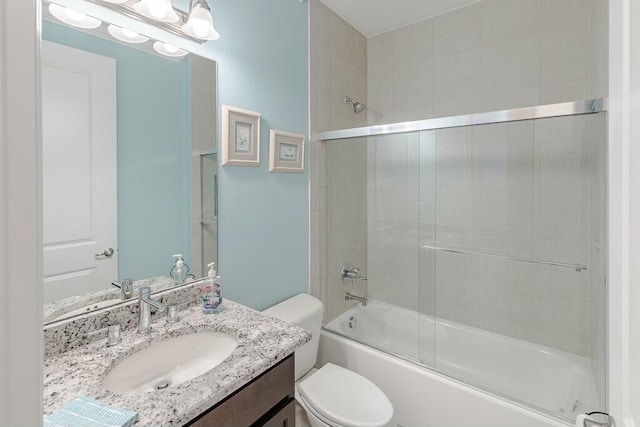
286,152
240,137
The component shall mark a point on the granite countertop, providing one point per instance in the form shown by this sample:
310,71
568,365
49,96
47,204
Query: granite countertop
57,309
263,341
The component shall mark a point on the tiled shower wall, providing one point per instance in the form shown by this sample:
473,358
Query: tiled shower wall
338,69
491,55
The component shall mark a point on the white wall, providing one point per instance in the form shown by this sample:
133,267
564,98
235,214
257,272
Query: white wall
21,351
624,213
634,296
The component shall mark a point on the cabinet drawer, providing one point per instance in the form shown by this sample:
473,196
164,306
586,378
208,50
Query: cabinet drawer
285,417
250,403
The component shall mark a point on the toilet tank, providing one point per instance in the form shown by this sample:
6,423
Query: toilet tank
304,311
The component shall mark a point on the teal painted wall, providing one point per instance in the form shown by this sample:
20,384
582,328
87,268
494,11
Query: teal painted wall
154,156
264,217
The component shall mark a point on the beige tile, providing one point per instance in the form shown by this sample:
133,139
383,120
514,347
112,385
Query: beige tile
561,325
458,76
566,55
564,14
566,91
511,64
457,106
600,48
510,19
458,31
511,98
413,43
511,313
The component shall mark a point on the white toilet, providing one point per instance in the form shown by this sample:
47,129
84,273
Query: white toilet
332,396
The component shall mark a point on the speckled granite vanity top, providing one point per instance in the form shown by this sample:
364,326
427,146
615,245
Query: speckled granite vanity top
263,342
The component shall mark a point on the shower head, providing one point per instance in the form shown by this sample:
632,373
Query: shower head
358,107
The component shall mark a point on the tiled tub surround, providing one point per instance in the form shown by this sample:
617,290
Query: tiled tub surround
263,342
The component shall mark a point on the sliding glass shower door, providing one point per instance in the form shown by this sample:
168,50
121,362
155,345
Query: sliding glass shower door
480,253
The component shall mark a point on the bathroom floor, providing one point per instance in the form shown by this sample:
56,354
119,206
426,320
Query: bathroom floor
301,417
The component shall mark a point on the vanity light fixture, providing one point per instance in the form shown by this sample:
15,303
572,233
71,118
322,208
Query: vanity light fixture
200,22
159,10
167,49
73,17
125,35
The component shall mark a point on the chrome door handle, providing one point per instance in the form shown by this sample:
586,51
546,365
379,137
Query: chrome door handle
107,253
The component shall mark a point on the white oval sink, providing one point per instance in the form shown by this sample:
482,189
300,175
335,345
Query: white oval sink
170,362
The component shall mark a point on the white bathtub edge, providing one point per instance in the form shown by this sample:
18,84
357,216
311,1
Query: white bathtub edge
422,397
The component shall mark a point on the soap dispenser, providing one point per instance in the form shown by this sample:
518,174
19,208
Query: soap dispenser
212,292
179,270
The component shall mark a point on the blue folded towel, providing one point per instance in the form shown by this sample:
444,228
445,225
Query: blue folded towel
87,412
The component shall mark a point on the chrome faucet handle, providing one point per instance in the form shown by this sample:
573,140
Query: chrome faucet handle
126,286
113,336
351,273
172,313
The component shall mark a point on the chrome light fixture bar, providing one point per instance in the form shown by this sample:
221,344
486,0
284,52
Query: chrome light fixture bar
56,13
128,9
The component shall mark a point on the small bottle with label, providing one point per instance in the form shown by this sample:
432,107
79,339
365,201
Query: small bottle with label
212,292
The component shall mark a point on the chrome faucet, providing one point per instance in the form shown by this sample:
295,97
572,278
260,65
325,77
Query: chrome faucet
144,309
351,273
126,286
350,297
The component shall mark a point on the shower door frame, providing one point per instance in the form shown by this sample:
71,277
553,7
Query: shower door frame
572,108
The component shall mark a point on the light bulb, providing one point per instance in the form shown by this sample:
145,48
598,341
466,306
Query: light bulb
157,8
170,48
130,34
200,27
74,14
73,17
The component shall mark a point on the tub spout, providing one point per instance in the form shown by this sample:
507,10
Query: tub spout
363,300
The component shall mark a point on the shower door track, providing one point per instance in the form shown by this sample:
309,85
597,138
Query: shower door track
590,106
577,267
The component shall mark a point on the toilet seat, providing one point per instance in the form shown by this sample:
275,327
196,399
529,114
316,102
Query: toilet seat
342,398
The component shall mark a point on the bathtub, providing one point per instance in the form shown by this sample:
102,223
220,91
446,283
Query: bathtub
475,377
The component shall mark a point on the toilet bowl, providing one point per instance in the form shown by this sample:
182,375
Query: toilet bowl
331,396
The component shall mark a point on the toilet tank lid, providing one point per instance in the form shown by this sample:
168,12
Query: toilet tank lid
296,309
346,398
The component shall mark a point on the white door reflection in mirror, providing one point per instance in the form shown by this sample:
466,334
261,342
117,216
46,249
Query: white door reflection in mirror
79,171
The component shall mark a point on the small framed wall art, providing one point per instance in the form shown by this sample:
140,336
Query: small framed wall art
240,137
286,152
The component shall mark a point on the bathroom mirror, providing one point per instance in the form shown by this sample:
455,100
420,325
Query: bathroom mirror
129,166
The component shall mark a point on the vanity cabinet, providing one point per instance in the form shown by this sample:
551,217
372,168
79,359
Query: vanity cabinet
266,401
